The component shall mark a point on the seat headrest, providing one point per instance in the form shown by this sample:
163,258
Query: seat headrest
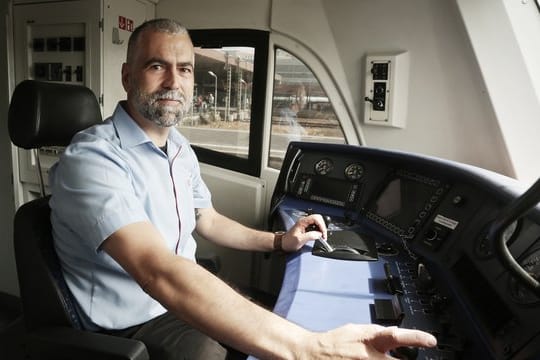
49,114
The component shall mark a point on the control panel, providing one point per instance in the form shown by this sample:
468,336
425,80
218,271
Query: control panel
435,267
386,89
58,53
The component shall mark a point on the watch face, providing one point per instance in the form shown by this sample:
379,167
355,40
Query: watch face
324,167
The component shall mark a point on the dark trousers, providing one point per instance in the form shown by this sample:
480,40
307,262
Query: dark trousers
169,338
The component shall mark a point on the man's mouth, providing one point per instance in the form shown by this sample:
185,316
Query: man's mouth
171,102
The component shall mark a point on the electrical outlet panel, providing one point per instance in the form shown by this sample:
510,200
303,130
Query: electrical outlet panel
386,91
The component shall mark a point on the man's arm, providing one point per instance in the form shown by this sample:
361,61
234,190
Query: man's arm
226,232
207,303
198,297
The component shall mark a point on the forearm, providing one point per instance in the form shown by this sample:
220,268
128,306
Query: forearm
226,232
200,298
213,307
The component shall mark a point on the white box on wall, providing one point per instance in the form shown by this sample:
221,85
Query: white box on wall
386,89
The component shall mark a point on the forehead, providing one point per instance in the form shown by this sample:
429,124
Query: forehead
166,46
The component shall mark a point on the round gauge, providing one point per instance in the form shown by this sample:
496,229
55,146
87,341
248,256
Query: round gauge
531,264
324,167
354,171
483,247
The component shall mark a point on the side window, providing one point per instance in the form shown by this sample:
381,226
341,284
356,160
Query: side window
225,125
221,111
301,110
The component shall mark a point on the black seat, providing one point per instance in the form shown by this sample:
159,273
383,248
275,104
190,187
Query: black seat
49,114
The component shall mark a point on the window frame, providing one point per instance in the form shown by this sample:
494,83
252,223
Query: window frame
275,49
259,40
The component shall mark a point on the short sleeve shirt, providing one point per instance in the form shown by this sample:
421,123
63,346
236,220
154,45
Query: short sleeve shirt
110,176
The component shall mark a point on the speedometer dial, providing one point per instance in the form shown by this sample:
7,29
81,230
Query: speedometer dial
354,171
324,167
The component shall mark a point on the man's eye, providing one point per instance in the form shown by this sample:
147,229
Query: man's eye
156,66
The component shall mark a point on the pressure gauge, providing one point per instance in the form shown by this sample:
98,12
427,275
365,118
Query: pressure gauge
354,171
324,167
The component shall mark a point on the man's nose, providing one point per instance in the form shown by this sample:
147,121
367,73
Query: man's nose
172,79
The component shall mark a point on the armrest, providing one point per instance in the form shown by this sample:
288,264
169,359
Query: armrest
68,343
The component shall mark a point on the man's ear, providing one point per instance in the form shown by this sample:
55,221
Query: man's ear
125,76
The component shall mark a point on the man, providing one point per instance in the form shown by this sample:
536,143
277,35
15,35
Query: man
127,195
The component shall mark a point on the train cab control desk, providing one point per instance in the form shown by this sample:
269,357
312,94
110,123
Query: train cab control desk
324,292
420,227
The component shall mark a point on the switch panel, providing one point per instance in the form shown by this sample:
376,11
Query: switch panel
386,92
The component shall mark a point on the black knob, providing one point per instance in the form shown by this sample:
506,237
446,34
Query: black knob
312,227
405,352
327,220
431,234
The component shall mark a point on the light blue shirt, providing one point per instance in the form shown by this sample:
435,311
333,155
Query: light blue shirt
112,175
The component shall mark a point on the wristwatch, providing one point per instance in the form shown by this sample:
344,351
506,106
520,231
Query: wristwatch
278,238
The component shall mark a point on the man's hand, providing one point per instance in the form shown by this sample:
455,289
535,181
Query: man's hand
300,233
366,342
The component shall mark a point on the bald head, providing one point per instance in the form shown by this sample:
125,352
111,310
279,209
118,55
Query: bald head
168,26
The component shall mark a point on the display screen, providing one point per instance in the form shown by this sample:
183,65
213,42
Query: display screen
402,199
330,188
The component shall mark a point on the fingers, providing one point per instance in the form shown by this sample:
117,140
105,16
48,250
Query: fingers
301,232
371,341
392,337
315,221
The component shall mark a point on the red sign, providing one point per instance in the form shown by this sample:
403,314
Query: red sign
122,22
129,26
125,23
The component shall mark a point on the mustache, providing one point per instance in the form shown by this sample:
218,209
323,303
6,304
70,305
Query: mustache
168,95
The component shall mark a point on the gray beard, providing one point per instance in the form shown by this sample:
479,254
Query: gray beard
163,116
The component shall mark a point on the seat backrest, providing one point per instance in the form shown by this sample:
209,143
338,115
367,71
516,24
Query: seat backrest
45,297
45,114
49,114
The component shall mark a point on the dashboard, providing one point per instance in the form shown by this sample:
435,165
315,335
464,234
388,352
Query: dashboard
434,220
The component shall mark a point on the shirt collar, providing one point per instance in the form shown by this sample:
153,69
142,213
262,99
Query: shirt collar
131,135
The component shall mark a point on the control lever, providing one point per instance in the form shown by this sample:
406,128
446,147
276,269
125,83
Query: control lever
326,245
424,281
405,353
392,283
327,220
